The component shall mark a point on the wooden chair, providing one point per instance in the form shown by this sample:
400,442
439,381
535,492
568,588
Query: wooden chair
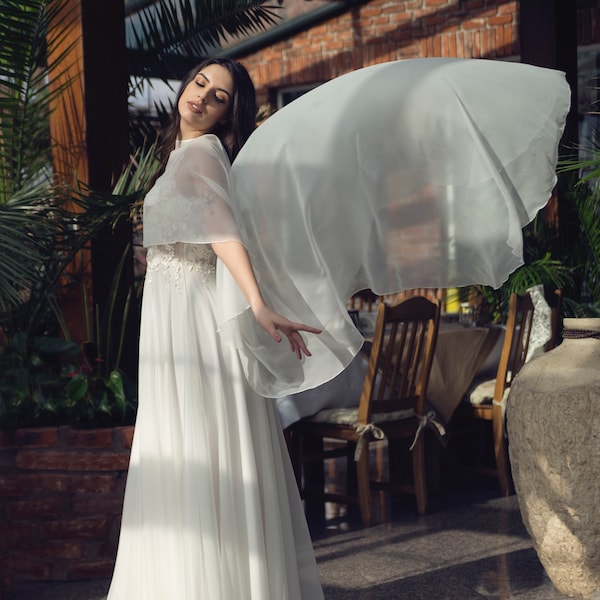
391,405
487,399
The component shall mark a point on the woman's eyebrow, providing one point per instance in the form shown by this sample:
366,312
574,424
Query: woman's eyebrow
208,81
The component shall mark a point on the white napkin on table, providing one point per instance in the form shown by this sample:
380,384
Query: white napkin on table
541,324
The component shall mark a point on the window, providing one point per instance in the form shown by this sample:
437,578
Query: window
286,95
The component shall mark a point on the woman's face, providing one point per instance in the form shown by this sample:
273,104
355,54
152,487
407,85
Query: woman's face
206,101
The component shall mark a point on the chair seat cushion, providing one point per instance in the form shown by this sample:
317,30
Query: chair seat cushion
482,392
348,416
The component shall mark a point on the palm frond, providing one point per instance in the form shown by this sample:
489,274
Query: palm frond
192,28
28,54
588,209
27,230
550,272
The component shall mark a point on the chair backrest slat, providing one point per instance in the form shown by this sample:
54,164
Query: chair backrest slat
401,357
516,342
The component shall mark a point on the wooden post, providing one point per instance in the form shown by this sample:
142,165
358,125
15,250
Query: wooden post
90,129
548,38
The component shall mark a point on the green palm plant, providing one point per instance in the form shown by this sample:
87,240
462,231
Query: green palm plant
583,242
165,32
564,256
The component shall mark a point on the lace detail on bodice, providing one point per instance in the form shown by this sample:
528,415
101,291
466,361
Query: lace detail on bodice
173,260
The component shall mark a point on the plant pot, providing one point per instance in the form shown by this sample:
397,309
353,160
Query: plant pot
554,446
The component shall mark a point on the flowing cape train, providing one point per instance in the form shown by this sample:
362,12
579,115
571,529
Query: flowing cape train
415,173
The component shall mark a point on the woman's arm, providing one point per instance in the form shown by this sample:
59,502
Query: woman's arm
236,259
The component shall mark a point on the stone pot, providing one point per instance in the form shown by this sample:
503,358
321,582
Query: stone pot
554,445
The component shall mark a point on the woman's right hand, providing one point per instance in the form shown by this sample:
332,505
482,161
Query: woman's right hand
274,323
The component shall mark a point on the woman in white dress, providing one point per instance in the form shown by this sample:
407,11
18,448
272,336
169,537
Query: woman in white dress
211,508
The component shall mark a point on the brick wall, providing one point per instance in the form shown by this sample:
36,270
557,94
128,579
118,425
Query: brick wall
384,30
61,496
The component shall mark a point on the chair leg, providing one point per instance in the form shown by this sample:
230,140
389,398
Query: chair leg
420,475
351,480
364,486
501,452
432,459
313,467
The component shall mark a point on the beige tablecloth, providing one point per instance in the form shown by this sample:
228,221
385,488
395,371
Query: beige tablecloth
459,355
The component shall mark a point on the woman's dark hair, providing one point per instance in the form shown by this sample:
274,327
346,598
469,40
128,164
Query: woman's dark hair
242,117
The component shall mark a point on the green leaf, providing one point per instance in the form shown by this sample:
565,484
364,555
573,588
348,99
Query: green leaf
77,388
115,384
54,345
104,405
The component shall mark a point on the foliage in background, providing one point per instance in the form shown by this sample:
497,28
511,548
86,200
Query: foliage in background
583,177
46,381
567,259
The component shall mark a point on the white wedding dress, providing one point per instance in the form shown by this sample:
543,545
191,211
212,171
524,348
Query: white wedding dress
212,510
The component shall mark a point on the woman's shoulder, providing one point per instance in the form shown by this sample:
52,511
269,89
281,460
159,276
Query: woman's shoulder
207,142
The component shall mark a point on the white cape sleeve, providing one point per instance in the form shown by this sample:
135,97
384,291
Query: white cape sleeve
190,201
416,173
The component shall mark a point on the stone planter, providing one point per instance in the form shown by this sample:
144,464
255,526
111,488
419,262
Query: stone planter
61,497
554,432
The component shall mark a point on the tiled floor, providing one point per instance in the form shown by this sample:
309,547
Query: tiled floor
471,546
474,549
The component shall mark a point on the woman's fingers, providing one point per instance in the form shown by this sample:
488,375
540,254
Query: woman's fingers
274,323
297,344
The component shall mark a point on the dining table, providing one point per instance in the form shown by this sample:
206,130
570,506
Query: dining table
462,354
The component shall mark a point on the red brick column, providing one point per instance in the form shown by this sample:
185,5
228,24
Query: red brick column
61,496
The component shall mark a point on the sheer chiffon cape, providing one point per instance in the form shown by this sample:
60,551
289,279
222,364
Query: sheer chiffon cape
197,187
416,173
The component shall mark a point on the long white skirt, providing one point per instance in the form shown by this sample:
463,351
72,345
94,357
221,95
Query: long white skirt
211,508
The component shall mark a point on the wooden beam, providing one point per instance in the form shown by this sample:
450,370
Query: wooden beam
90,129
548,38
